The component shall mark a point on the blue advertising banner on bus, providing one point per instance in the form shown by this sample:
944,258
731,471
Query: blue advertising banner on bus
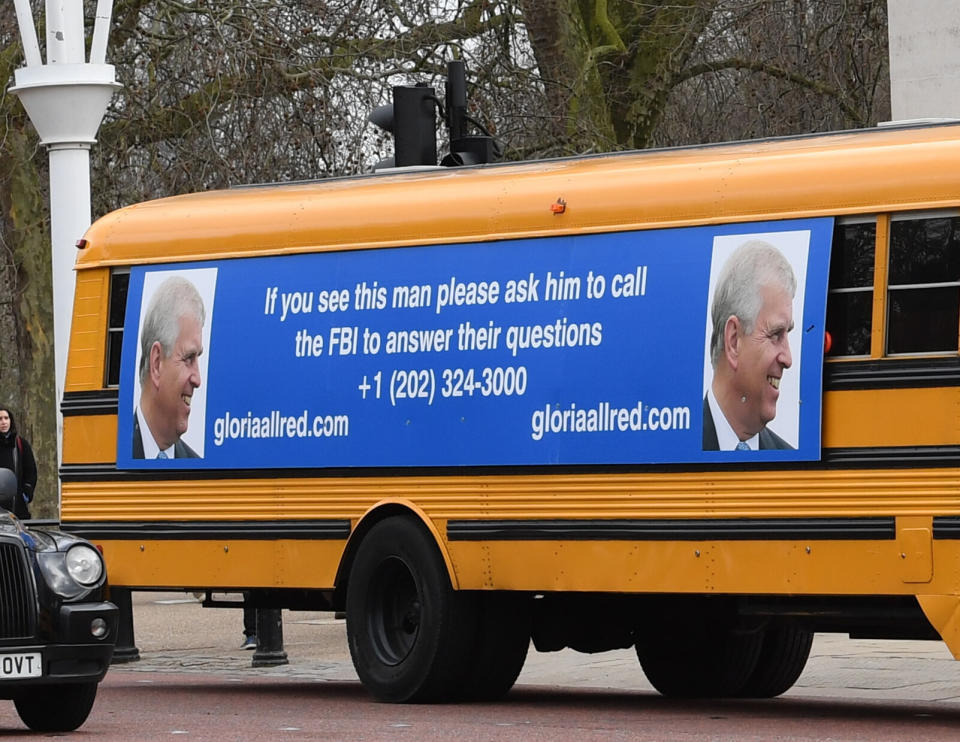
686,345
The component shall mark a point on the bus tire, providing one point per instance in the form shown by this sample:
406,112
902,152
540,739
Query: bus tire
56,708
503,638
410,634
709,662
783,656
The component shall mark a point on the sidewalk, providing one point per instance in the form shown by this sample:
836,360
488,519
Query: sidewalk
174,633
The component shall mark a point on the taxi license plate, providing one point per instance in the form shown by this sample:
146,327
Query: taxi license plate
20,665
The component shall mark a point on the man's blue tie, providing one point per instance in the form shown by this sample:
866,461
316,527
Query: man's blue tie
741,446
162,455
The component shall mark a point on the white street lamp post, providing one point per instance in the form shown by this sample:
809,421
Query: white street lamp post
65,99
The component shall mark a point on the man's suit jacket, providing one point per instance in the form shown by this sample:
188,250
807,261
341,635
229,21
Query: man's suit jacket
180,449
768,439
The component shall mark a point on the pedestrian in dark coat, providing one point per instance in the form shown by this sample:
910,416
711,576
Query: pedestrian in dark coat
17,456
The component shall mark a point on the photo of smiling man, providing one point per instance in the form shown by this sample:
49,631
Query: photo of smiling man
751,317
170,371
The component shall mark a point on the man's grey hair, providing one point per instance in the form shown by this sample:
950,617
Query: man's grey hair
176,297
752,265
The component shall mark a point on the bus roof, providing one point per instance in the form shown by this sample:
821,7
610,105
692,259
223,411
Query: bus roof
883,169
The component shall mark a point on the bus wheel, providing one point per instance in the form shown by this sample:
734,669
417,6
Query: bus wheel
783,656
503,637
705,663
56,708
410,634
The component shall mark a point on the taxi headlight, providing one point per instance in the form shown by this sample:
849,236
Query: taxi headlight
84,564
72,573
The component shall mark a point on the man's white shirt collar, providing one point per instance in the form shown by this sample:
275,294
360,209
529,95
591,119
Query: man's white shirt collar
150,447
726,438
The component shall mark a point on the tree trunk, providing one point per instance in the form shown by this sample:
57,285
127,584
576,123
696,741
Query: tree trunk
27,377
576,117
608,65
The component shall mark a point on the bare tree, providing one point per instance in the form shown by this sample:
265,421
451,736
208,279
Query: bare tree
779,67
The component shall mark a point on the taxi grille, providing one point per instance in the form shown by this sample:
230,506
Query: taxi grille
16,593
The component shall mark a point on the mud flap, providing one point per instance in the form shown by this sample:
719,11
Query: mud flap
943,612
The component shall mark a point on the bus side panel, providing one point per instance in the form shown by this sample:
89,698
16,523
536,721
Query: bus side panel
886,417
222,564
89,439
88,331
795,567
616,531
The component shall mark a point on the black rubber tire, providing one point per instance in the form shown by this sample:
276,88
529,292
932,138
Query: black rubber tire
500,648
56,708
410,634
783,656
701,661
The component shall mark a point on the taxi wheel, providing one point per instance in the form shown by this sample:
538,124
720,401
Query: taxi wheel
410,634
56,708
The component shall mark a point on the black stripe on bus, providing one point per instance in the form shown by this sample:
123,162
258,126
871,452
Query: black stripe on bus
892,457
675,529
270,530
892,373
103,402
946,526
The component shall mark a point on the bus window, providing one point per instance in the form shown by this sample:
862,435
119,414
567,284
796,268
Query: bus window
850,297
924,284
118,304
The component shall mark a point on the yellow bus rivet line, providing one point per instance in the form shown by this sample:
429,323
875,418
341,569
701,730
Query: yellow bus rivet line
226,549
809,549
142,547
697,552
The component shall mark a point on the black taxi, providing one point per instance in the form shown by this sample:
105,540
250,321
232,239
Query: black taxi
57,632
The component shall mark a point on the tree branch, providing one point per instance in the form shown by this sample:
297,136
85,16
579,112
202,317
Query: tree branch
607,30
772,70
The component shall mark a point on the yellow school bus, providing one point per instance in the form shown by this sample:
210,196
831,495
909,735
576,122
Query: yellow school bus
474,407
